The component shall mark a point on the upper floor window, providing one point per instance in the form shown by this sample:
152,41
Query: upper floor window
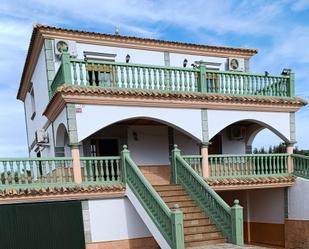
32,101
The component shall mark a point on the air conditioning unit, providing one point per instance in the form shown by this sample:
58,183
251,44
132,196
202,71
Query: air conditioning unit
237,132
41,136
236,64
68,45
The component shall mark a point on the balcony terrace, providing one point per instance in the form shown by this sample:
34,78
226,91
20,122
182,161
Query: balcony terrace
105,74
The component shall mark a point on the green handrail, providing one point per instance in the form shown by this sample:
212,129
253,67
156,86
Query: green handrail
169,222
301,165
247,165
228,219
165,78
101,169
35,172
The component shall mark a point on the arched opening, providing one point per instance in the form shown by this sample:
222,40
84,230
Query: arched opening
150,142
62,148
238,137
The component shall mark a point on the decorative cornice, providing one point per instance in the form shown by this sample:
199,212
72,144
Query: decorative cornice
123,97
41,32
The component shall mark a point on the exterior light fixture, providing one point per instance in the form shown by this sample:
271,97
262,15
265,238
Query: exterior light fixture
266,73
185,62
286,71
128,58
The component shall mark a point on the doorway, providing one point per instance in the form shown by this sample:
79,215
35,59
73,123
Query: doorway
104,147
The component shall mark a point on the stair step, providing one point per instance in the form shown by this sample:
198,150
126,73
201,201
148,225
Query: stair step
167,187
203,236
176,198
196,222
194,215
200,229
172,193
190,209
204,243
188,203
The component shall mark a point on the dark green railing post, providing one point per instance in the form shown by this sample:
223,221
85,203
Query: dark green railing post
291,84
124,153
202,79
177,221
66,68
175,152
237,224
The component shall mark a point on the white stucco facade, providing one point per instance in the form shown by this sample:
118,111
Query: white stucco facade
186,120
115,219
298,200
220,119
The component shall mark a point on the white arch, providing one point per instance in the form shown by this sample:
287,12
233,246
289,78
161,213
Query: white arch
94,118
278,123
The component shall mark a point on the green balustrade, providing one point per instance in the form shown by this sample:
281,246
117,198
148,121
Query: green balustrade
169,222
35,172
228,219
195,161
101,169
301,165
166,78
248,165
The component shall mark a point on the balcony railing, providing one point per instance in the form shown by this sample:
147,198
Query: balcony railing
165,78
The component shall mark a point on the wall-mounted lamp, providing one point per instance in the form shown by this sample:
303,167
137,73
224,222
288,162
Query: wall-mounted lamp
135,137
128,58
185,62
286,71
266,73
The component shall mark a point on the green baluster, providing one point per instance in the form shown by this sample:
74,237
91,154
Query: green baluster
121,78
196,81
31,172
149,79
128,79
50,171
144,86
181,82
93,74
100,80
155,81
18,176
5,172
139,77
133,77
116,78
75,74
108,173
12,171
176,81
112,163
117,170
160,79
85,166
70,170
87,74
81,75
185,81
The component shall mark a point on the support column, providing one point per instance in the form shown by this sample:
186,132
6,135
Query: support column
289,150
205,164
77,172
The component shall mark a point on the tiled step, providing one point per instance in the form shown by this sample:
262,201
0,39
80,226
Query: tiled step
204,243
172,193
200,229
194,215
202,236
195,222
191,209
170,187
176,199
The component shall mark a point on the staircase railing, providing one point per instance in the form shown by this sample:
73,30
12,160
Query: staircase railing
228,219
301,165
169,222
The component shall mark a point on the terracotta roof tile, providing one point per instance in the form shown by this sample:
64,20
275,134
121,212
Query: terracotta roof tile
48,191
250,180
95,91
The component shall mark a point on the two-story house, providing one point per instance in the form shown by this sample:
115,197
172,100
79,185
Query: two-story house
144,143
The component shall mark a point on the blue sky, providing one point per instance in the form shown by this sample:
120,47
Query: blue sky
279,29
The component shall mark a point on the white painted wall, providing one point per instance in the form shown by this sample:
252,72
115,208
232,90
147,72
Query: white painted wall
176,60
232,146
151,148
115,219
267,205
220,119
298,200
39,80
96,117
186,144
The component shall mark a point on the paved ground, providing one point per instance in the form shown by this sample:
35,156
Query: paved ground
229,246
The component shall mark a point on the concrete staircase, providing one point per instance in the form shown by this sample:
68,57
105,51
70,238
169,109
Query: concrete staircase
198,229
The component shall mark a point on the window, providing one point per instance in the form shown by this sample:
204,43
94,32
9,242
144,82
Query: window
32,100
